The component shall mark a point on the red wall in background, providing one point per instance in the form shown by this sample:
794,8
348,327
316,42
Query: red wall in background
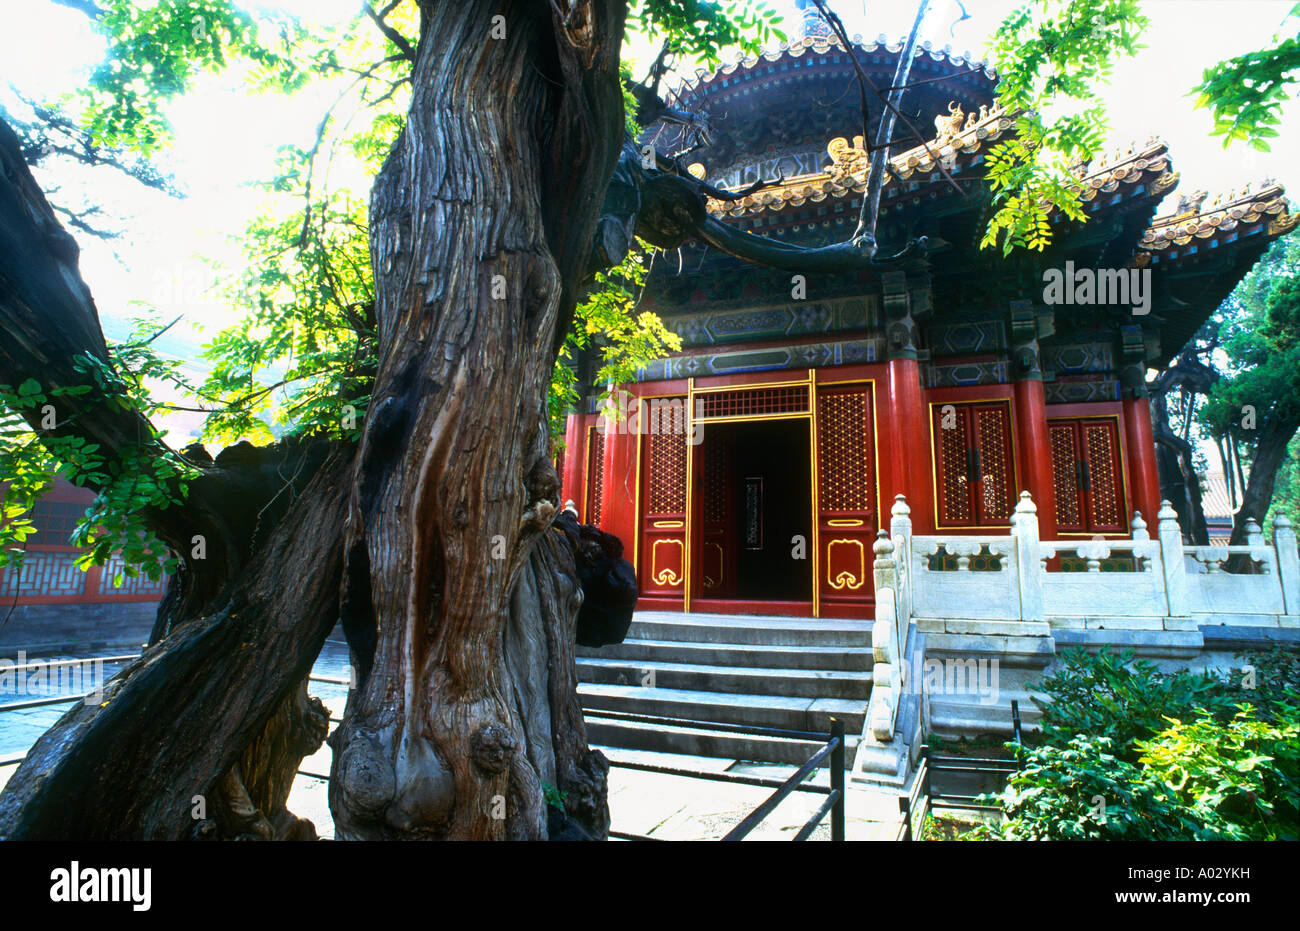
49,576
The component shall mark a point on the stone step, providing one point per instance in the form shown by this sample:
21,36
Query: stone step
751,655
749,629
801,683
953,716
791,713
701,742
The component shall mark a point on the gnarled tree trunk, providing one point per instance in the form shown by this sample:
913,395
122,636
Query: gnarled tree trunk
481,224
458,602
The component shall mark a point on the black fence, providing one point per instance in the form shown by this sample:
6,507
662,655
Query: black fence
15,758
950,781
832,752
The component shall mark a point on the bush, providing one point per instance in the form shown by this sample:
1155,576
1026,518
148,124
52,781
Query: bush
1082,791
1111,695
1242,780
1131,753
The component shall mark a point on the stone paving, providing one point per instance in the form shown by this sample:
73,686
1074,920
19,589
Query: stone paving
652,804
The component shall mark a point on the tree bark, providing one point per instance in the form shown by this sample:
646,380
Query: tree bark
1270,450
481,225
152,758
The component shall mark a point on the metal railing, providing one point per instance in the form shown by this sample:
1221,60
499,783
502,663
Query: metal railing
935,778
833,749
14,759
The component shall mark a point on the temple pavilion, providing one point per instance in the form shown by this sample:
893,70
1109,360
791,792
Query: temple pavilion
953,379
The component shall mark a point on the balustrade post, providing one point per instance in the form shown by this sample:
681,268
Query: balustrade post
1171,561
888,672
1288,562
1029,580
900,530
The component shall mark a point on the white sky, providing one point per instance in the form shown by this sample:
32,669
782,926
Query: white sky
226,138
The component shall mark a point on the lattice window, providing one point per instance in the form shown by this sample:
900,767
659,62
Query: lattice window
595,474
846,467
715,485
1087,475
993,429
753,402
975,468
753,513
1103,466
54,522
137,585
667,481
44,575
1069,504
951,462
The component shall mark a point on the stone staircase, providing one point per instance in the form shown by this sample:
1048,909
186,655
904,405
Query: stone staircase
771,672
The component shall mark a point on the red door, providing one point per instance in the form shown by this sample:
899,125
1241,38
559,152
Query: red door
1087,474
717,514
974,465
847,517
663,515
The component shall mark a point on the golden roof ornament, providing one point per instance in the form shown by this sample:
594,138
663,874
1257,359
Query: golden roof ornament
949,127
847,159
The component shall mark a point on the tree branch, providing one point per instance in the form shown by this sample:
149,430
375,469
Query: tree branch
389,32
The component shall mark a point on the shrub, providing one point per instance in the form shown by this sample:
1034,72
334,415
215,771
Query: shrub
1082,791
1111,695
1131,753
1240,780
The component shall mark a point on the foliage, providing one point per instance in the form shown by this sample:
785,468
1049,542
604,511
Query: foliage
1082,791
1240,781
554,796
1258,335
155,51
1110,695
1286,491
702,29
137,479
308,328
1268,681
1245,94
626,338
1132,753
1052,56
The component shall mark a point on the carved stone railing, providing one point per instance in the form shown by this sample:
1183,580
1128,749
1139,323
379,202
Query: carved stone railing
1008,578
888,643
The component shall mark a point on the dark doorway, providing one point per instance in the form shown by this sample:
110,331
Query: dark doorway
754,511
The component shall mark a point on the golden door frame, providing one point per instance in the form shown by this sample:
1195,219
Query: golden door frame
811,382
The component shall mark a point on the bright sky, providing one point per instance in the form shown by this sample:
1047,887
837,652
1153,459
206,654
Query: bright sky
226,138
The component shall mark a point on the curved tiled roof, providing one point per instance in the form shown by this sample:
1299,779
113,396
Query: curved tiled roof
847,173
820,45
1226,212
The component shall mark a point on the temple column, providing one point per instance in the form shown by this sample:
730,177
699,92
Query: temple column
1036,453
575,458
618,493
1032,440
910,465
1139,439
911,468
1140,451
